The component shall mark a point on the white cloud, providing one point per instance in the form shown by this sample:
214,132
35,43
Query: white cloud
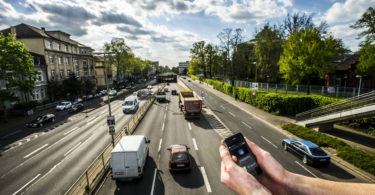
348,11
347,34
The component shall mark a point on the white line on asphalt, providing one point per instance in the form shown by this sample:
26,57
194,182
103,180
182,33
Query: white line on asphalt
195,144
165,116
162,128
222,107
11,134
189,125
205,178
36,136
103,112
27,184
161,140
306,169
28,139
35,151
246,125
153,182
232,114
72,148
71,130
92,121
269,141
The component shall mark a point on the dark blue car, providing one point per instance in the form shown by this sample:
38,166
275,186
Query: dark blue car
308,151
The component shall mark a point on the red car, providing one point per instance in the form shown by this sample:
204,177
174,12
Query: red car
179,158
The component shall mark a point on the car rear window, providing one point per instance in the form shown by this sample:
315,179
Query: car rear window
178,157
317,152
161,93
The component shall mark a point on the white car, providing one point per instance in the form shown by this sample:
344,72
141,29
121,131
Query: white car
112,92
149,87
64,105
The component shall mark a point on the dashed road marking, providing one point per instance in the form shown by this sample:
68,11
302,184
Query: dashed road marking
71,131
195,144
74,147
189,126
232,114
248,126
153,182
205,178
27,184
307,169
35,151
161,140
269,141
222,107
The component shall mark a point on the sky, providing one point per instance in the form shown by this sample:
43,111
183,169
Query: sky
164,30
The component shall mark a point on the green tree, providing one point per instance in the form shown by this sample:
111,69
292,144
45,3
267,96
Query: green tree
16,69
267,51
244,59
198,54
72,86
367,22
307,54
88,86
121,56
175,70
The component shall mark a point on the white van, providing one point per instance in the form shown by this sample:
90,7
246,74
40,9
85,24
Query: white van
128,158
130,104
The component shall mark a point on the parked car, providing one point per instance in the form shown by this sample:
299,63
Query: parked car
64,105
149,87
166,89
97,95
174,92
78,100
128,157
129,86
112,92
89,97
179,158
76,107
41,120
308,151
189,80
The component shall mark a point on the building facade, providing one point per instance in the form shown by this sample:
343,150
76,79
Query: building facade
100,74
183,67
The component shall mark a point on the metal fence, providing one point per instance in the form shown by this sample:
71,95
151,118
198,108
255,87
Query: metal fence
91,177
347,104
337,92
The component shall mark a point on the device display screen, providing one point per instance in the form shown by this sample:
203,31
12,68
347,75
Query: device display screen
238,147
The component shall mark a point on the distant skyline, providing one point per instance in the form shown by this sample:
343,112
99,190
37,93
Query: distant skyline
164,30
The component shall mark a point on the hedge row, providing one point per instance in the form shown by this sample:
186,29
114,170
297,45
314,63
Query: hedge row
366,124
355,156
281,104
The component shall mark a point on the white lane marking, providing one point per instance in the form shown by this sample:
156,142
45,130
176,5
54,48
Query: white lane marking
35,151
103,112
153,182
306,169
36,136
205,178
71,131
222,107
165,116
74,147
246,125
28,139
195,144
162,128
232,114
166,108
11,134
269,141
161,140
27,184
189,125
93,121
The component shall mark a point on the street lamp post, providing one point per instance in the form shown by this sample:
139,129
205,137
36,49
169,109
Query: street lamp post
268,82
256,72
360,83
345,77
106,83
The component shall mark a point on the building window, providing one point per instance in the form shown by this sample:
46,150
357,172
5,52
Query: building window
68,73
51,59
53,74
49,44
86,73
42,93
35,95
75,49
66,48
59,59
62,74
39,77
75,61
84,63
83,51
77,73
67,60
59,46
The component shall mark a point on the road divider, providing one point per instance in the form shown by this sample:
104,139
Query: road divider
74,147
35,151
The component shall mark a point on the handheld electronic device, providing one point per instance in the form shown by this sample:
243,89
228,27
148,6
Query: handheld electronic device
238,147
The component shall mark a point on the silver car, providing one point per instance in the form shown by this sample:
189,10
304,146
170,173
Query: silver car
64,105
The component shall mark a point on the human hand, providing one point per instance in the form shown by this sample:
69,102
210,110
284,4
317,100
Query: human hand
273,178
236,178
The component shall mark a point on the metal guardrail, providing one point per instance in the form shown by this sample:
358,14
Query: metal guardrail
91,177
347,104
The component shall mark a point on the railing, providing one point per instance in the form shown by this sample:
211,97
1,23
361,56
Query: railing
91,177
347,104
337,92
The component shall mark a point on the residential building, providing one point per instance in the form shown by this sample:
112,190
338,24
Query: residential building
100,74
183,67
62,54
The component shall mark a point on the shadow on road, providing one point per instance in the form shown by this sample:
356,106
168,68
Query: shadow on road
354,137
335,171
191,179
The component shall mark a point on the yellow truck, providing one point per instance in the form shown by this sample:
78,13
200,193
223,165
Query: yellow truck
189,103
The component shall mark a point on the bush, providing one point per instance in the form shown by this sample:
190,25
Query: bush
366,124
357,157
193,77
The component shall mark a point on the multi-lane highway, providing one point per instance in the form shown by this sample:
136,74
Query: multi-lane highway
50,162
165,125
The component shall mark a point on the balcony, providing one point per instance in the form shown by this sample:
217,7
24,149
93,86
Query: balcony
85,66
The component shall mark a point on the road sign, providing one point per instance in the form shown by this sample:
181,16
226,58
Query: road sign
202,94
111,130
110,120
254,86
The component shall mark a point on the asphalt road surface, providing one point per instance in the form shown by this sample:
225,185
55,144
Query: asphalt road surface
53,158
165,125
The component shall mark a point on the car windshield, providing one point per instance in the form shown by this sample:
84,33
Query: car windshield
39,118
317,152
178,157
128,103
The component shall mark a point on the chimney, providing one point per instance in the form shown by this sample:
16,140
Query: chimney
13,30
43,29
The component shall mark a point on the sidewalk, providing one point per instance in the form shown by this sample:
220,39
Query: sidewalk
275,122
